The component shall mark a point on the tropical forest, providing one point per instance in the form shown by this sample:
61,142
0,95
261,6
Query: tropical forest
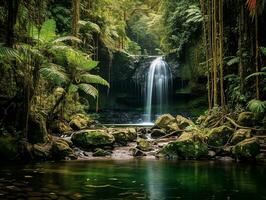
132,99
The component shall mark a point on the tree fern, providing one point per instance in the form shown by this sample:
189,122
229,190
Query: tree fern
89,78
54,73
88,89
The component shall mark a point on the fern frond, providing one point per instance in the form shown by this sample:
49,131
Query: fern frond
88,89
54,73
255,74
89,78
257,106
67,38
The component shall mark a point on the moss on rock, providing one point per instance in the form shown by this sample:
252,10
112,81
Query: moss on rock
89,139
61,150
183,122
219,136
123,136
79,122
247,149
240,135
187,146
166,121
144,145
246,119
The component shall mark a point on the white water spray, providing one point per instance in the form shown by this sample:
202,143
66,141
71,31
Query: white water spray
157,86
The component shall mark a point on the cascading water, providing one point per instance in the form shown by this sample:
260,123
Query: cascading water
157,87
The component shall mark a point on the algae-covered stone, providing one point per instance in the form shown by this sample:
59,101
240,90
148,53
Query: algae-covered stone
92,138
183,122
144,145
219,136
101,153
247,149
61,127
137,152
61,150
42,151
8,148
165,121
246,119
123,136
187,146
240,135
79,121
37,129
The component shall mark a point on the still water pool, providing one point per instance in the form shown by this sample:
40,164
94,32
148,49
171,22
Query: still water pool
134,179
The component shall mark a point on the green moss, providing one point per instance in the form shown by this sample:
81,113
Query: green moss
8,148
219,136
247,149
92,138
123,136
188,146
144,145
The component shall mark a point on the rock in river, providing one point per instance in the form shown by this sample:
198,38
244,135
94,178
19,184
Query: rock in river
219,136
90,139
247,149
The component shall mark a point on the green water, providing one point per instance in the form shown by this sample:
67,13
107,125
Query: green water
133,179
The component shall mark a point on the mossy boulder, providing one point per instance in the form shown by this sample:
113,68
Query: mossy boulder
37,129
183,122
187,146
79,122
219,136
8,148
137,152
61,150
61,127
144,145
90,139
246,119
240,135
100,153
42,151
166,122
248,149
123,136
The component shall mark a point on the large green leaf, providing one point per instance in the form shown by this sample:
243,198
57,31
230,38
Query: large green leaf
48,29
255,74
54,73
257,106
89,78
88,89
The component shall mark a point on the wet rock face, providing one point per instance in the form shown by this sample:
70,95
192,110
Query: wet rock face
247,149
137,152
60,127
246,119
89,139
219,136
187,146
61,150
165,121
240,135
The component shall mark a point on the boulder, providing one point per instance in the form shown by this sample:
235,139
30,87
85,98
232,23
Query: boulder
8,148
240,135
219,136
37,129
61,150
79,122
137,152
144,145
156,133
101,153
61,127
246,119
89,139
41,151
183,122
188,146
167,122
248,149
123,136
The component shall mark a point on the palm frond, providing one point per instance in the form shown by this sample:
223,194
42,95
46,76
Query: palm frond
257,106
88,89
255,74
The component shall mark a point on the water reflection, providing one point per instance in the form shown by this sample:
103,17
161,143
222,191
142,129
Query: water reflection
133,180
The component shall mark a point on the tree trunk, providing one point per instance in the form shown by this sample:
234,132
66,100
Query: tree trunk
257,54
75,17
214,43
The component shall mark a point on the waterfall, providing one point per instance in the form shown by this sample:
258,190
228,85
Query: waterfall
157,86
